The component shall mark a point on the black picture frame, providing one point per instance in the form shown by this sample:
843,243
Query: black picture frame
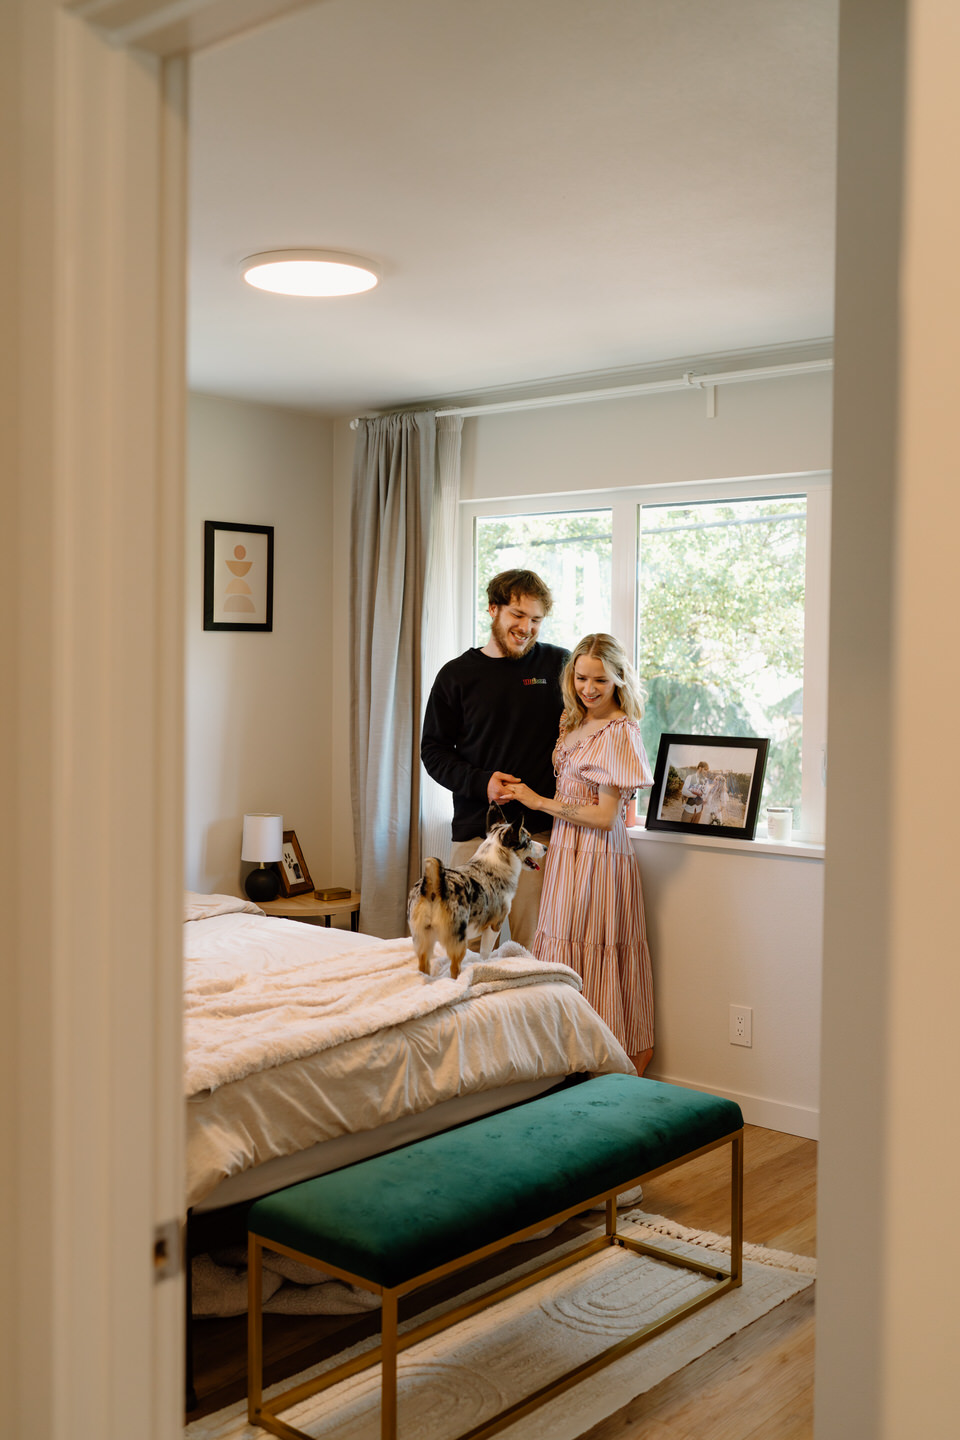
722,808
237,586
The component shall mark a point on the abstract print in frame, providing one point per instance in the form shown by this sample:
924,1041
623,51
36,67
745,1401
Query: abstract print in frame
237,576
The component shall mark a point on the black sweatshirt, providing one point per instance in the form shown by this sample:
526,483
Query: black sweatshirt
485,715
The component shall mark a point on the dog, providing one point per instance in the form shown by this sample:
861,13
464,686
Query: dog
454,906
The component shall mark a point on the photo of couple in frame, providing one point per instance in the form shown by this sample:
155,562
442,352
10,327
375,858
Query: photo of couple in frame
711,782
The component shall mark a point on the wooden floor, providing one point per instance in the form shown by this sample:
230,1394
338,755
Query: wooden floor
759,1383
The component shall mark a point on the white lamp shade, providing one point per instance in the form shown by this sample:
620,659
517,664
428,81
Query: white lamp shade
262,838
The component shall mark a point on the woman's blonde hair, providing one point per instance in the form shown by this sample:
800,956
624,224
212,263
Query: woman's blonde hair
613,657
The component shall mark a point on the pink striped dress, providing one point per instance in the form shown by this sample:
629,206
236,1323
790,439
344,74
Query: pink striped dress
591,911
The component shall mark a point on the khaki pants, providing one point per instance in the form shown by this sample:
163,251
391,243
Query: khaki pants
526,902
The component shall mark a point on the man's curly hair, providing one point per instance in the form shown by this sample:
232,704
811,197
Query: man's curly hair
512,584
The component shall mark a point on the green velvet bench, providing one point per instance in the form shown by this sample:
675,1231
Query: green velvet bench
400,1220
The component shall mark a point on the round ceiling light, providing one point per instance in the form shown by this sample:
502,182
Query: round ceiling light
310,272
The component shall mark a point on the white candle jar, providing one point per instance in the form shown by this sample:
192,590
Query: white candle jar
779,822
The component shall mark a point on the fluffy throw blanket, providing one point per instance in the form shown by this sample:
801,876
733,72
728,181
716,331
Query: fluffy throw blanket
239,1022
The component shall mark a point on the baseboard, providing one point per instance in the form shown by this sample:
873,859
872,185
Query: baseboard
757,1110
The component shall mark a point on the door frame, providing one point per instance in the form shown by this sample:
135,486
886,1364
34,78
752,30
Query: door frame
93,168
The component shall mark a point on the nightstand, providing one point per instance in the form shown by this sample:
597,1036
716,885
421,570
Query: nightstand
310,909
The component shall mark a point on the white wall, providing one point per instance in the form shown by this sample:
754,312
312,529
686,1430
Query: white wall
93,162
887,1324
258,713
762,428
735,927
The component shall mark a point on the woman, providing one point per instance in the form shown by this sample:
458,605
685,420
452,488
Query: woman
591,912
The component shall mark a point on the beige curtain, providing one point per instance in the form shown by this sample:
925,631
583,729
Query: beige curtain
394,481
440,621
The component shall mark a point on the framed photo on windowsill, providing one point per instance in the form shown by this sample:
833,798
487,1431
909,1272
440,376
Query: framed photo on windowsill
292,868
710,783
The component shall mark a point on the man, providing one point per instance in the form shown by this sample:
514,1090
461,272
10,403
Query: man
492,718
694,793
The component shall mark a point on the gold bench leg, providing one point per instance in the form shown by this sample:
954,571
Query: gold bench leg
388,1370
736,1210
254,1329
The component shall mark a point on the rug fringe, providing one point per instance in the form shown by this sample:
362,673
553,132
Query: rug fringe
781,1259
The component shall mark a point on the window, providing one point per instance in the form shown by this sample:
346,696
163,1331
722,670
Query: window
718,589
570,550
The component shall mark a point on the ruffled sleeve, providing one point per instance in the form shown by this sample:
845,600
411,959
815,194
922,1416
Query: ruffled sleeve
558,748
617,758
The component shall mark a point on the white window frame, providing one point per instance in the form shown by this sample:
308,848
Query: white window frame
626,505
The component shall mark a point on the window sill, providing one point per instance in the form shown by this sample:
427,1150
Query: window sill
795,849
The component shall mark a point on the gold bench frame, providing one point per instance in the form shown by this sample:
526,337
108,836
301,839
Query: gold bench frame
265,1414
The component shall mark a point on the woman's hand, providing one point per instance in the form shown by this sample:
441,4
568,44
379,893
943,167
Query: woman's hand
528,798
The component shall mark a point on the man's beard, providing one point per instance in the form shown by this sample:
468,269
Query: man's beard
499,633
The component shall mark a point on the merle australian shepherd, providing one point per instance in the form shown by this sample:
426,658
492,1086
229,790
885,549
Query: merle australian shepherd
454,906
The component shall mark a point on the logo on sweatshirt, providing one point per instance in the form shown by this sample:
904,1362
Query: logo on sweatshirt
535,680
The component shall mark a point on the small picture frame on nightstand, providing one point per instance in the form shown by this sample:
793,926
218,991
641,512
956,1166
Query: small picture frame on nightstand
294,875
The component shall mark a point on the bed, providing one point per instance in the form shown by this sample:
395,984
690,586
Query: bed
308,1048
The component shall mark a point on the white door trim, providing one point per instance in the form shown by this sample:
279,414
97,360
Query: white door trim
92,401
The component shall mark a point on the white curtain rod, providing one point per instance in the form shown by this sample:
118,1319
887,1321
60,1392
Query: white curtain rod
687,381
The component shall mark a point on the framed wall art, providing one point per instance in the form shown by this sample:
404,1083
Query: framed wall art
237,576
294,875
710,783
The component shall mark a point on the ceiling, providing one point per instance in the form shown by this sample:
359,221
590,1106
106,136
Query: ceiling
553,188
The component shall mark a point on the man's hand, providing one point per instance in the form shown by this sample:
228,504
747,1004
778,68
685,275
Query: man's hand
497,791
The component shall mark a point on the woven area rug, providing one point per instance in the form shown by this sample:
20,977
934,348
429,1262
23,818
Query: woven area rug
452,1382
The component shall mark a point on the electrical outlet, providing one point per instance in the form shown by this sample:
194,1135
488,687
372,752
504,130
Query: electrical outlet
741,1025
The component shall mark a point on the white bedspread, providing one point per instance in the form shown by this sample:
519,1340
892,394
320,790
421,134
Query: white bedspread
298,1034
204,907
240,1020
